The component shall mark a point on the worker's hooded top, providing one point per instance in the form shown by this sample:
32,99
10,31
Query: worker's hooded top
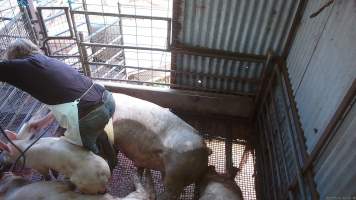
51,81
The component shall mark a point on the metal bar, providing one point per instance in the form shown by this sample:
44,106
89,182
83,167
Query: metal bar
76,37
264,75
206,52
300,133
122,46
63,56
99,30
269,151
103,48
250,80
279,132
86,67
294,29
182,87
269,131
54,16
43,21
332,126
122,38
228,151
87,20
297,146
169,23
52,7
120,15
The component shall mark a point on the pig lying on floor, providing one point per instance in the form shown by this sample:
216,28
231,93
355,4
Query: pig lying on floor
18,188
87,171
155,138
222,187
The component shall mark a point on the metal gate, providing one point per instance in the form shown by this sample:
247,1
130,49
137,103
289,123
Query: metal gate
101,44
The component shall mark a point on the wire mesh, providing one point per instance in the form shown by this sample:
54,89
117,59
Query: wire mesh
13,24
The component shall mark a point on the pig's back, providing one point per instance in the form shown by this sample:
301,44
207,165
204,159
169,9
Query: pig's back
52,190
172,132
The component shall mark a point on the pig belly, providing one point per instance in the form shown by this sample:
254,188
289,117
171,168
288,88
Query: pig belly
139,144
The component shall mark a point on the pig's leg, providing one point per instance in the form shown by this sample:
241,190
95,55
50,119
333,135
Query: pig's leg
140,171
173,187
183,169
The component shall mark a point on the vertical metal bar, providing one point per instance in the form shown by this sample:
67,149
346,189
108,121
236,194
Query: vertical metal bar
86,67
77,39
87,20
265,72
273,102
269,130
42,22
294,145
299,132
66,10
169,25
228,151
33,17
122,39
262,129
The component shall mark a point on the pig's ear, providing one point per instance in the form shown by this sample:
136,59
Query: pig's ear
4,146
11,135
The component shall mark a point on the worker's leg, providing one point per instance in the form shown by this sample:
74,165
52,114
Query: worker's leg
92,126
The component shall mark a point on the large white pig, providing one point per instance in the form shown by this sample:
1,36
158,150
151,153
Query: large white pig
155,138
219,186
18,188
87,171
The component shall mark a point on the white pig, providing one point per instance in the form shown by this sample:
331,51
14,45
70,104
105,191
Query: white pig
87,171
216,186
18,188
155,138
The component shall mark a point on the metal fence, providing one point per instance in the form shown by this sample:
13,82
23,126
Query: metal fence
125,41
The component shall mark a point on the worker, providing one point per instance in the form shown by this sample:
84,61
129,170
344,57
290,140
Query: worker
75,101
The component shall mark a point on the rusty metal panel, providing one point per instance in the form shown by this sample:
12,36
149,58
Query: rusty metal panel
335,169
322,64
307,38
246,26
228,74
243,26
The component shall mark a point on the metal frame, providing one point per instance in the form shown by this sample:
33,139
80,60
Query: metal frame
304,178
43,21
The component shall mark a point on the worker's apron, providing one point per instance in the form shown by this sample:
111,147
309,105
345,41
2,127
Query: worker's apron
67,116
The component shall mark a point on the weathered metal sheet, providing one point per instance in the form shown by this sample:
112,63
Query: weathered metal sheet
335,170
226,73
246,26
243,26
322,64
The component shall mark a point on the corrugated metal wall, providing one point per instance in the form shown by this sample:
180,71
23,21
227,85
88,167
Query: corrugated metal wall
322,69
322,63
279,161
245,26
335,170
242,26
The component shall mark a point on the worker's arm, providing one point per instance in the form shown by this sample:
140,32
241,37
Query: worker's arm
11,69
